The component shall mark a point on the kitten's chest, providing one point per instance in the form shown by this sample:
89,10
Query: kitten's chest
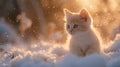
82,40
79,41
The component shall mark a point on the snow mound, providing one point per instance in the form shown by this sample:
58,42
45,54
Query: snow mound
89,61
53,55
115,47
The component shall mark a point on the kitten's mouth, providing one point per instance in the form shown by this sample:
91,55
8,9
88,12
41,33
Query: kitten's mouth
71,32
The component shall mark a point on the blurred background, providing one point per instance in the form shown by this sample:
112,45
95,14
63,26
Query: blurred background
35,20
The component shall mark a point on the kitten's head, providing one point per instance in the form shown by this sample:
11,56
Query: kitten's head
77,22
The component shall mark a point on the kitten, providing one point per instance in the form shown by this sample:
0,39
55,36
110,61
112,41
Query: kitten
83,39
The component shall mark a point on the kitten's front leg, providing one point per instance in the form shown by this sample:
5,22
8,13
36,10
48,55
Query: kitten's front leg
91,50
76,50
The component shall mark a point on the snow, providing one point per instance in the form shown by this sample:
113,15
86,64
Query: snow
6,32
114,63
89,61
45,54
115,46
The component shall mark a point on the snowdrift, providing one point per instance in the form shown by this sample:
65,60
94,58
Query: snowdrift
53,55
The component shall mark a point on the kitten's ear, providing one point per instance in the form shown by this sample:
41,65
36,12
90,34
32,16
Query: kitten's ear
85,15
67,12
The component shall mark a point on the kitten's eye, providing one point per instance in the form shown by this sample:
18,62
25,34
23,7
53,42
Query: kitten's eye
75,26
68,26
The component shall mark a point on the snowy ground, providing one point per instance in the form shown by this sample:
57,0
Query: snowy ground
51,55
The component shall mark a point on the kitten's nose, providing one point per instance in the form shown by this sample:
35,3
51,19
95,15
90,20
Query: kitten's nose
71,31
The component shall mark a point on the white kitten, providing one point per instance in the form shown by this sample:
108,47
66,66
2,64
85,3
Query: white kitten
83,39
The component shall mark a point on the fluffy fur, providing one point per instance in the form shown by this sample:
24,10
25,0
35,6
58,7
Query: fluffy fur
83,39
